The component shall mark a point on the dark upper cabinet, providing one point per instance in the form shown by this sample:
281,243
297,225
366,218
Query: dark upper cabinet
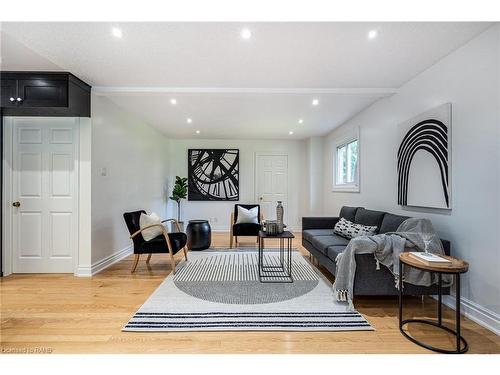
8,92
44,94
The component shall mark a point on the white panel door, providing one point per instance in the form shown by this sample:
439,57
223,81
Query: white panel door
272,184
44,191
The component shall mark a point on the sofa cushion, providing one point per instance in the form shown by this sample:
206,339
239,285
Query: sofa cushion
333,251
321,243
308,234
391,222
369,217
348,213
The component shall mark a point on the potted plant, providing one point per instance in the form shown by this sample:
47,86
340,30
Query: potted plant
179,192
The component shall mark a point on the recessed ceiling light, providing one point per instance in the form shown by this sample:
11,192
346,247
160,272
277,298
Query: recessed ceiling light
117,32
301,121
315,102
173,101
372,34
290,132
246,34
197,132
189,120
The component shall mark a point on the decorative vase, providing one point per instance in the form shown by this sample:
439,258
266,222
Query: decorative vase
279,216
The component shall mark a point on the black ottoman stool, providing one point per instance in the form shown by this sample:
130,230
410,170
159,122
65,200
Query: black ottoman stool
199,235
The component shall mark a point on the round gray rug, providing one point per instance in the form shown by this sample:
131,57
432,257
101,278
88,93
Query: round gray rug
233,279
246,292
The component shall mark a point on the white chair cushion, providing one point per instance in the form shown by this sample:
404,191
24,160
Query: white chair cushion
145,220
248,216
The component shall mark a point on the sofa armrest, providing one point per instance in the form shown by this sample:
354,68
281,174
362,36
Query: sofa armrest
319,222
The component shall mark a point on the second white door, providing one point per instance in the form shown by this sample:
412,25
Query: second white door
272,184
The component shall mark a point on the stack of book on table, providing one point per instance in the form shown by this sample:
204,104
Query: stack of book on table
429,258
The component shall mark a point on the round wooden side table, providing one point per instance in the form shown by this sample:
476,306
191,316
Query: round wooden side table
456,268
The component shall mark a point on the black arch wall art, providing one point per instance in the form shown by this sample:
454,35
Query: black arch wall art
213,174
424,160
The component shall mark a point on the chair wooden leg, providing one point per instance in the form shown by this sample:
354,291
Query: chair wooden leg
236,241
230,241
172,262
136,261
185,253
149,258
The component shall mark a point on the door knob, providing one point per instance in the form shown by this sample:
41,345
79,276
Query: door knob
16,204
19,99
260,198
12,99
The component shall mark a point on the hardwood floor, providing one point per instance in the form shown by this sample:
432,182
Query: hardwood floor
66,314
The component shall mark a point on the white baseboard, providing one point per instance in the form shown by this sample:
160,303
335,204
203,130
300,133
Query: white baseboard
83,271
86,271
477,313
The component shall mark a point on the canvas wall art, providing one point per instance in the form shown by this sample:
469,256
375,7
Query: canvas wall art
213,175
424,160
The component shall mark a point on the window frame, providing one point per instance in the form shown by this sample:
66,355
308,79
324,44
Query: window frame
352,187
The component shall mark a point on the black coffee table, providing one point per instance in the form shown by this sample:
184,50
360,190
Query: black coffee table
280,272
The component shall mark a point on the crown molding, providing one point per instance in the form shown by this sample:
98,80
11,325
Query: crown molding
144,90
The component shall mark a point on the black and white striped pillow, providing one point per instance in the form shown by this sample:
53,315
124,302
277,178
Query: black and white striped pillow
348,229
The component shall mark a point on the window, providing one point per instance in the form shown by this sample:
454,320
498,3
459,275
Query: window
346,165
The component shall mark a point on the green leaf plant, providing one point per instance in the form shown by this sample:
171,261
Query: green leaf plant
179,192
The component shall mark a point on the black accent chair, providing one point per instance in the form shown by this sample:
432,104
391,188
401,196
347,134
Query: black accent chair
243,229
170,243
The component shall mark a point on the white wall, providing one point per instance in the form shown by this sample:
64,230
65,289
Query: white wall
220,211
136,159
315,169
469,79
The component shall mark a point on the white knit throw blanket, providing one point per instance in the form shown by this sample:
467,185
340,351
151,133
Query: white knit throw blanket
412,235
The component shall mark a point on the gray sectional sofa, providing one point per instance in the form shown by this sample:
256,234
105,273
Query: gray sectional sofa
318,238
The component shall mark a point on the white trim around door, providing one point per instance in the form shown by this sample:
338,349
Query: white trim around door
79,143
258,194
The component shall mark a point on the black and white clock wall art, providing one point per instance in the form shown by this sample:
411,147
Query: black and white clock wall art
424,160
213,174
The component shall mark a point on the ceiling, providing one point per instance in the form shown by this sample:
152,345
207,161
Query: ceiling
263,116
231,87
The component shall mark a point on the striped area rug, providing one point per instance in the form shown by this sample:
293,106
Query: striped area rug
219,290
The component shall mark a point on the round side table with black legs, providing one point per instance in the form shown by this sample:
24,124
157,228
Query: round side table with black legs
199,235
456,268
